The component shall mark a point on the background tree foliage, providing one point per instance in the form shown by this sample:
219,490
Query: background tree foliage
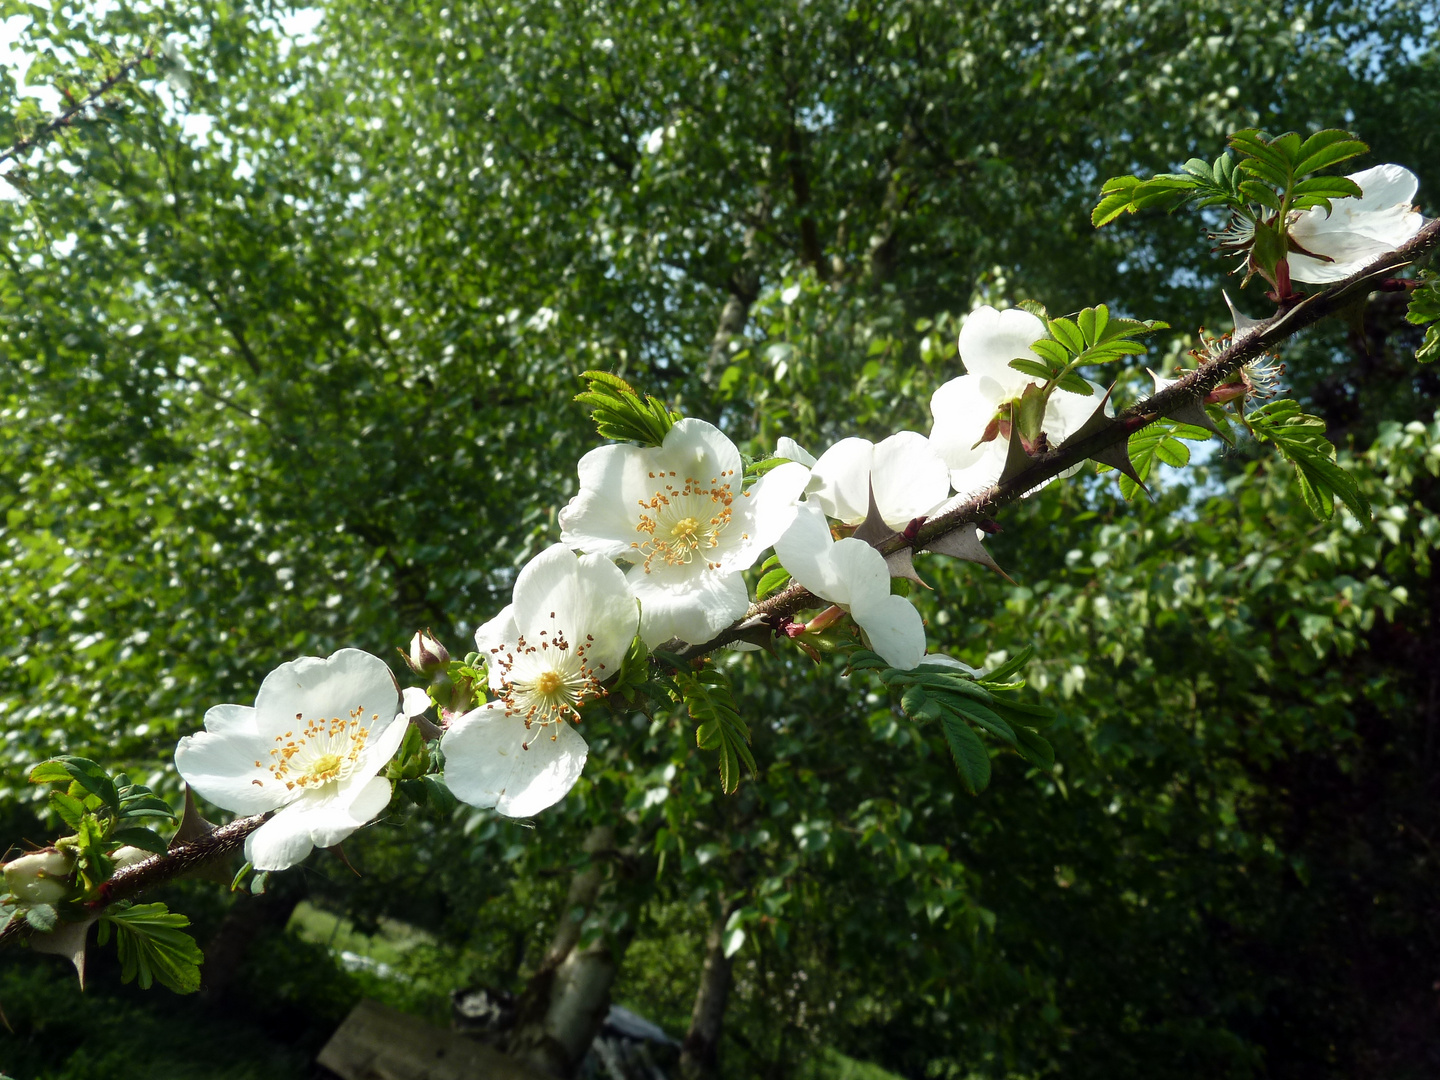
288,345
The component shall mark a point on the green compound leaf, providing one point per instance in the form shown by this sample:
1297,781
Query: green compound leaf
1300,438
1158,442
707,696
621,413
82,771
153,945
958,702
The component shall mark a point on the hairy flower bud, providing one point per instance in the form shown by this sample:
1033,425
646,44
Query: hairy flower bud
427,655
41,877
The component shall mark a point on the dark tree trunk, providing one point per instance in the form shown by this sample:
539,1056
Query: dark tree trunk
700,1052
248,918
566,1000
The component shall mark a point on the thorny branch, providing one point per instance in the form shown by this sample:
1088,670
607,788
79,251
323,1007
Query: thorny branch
1187,391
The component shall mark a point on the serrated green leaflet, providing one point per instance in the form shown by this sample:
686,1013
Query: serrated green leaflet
1160,441
1424,309
771,582
972,760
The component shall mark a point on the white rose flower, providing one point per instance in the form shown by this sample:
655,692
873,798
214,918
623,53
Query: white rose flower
567,630
1357,230
678,513
309,748
969,432
852,575
908,477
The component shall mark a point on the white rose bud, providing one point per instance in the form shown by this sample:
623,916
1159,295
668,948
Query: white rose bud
427,655
40,878
128,856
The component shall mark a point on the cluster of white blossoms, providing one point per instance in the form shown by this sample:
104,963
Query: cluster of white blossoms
686,524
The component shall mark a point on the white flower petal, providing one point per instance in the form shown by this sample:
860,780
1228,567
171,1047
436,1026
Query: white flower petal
700,447
861,571
579,596
228,719
601,518
982,471
691,607
910,478
316,820
990,339
380,745
762,515
805,551
1066,413
894,628
788,448
331,820
414,701
497,632
840,480
280,843
962,412
312,688
221,767
486,764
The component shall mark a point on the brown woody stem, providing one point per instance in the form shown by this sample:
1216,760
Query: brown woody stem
1190,388
1187,390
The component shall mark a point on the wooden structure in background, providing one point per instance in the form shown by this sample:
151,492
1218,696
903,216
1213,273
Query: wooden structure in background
379,1043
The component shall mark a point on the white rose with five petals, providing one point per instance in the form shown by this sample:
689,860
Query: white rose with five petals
680,514
309,748
567,630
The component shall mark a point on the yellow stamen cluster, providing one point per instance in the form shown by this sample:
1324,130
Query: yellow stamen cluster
680,521
546,682
319,751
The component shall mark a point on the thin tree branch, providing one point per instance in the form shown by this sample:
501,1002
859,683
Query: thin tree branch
158,869
1188,390
65,119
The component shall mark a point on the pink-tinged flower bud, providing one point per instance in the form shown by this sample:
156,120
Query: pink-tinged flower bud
427,655
41,877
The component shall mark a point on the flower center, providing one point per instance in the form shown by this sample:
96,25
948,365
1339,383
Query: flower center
325,767
548,682
320,751
680,521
